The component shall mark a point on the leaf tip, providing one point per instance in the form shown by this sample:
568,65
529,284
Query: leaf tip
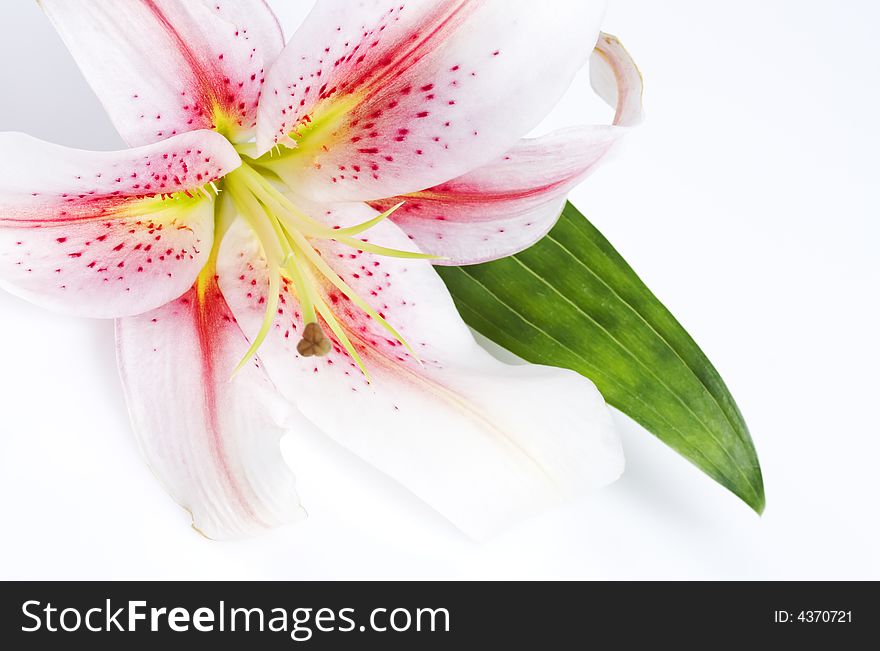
755,497
760,504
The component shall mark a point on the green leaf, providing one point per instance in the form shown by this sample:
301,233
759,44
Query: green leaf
572,301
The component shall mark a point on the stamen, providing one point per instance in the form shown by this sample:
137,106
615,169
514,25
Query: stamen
274,199
282,230
342,286
342,337
382,250
367,225
268,320
303,289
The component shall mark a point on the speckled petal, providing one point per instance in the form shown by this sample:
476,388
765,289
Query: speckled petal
506,206
385,98
89,233
163,67
509,204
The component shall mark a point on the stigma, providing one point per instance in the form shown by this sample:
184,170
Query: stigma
313,343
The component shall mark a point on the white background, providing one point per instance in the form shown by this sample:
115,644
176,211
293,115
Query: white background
747,201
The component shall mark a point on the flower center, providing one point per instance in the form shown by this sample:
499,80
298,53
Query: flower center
286,234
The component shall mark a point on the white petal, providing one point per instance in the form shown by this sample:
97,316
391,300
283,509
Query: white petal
616,78
483,442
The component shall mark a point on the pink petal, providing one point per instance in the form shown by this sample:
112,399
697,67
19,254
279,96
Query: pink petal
163,67
483,442
85,232
506,206
212,442
511,203
386,98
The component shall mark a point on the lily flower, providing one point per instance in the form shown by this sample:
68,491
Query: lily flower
266,244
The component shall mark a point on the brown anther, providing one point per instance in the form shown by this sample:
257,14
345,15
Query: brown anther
313,343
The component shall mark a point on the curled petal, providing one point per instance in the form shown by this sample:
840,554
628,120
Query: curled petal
212,441
163,67
616,78
385,98
107,234
483,442
508,205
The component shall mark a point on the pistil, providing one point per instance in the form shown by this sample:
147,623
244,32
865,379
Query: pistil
285,234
